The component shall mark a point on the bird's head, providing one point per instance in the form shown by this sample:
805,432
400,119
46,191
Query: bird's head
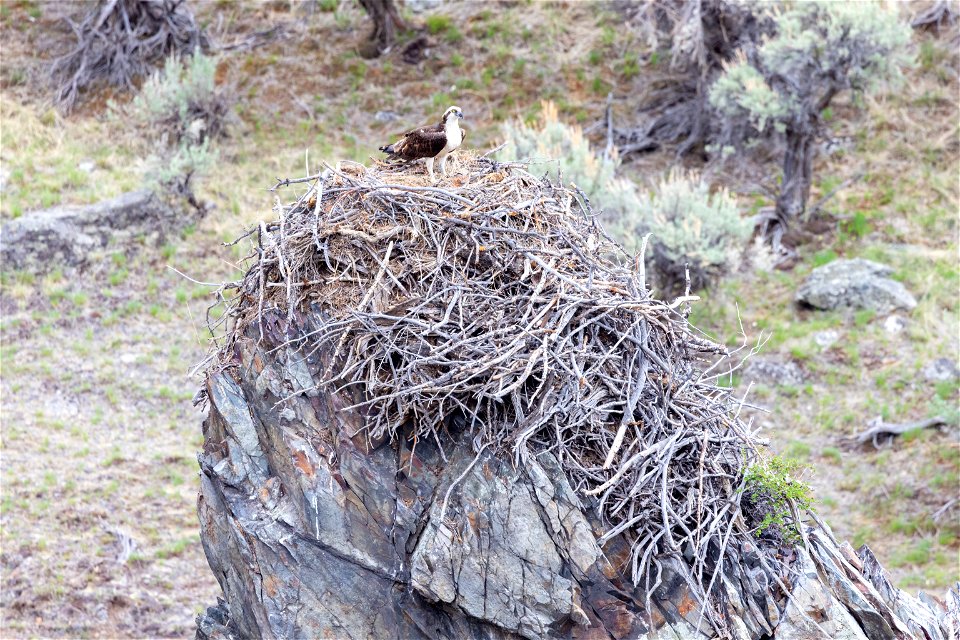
452,112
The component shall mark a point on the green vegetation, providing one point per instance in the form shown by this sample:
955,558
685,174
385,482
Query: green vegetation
773,485
184,110
691,228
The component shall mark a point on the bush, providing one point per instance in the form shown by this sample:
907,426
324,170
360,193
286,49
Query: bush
780,90
184,110
567,153
773,491
690,226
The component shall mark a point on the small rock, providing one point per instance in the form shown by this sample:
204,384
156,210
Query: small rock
826,339
87,166
894,324
768,371
856,284
420,6
386,116
4,176
128,358
941,370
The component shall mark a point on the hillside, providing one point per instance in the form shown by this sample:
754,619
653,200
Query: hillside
99,526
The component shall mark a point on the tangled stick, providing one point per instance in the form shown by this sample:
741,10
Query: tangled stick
119,40
501,303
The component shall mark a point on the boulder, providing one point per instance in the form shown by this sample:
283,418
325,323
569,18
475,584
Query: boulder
68,236
771,372
855,284
941,370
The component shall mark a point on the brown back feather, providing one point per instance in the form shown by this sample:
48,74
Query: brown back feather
425,142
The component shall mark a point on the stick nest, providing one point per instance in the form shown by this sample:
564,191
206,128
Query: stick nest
496,300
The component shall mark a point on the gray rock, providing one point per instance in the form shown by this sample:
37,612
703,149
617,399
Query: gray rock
420,6
386,116
313,530
856,284
768,371
826,339
813,613
941,370
894,324
67,236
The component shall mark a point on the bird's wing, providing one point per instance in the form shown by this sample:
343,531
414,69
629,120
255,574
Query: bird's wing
427,127
425,142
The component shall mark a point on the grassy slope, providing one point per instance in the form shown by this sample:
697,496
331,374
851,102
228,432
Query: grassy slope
98,432
904,212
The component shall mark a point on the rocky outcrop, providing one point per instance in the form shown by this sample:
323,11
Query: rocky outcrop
856,284
313,530
68,236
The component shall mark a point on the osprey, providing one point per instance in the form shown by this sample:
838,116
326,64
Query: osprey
431,142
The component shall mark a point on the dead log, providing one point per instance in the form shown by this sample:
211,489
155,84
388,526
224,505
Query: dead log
71,237
880,432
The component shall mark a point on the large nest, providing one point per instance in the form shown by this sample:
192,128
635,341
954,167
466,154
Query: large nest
497,301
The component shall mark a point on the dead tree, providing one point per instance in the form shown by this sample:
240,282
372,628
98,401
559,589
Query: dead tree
120,40
386,20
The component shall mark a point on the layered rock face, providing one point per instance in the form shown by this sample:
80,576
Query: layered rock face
315,532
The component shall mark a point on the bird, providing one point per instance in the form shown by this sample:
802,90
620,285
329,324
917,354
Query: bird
432,142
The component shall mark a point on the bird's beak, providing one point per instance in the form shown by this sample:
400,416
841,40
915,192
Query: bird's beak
460,115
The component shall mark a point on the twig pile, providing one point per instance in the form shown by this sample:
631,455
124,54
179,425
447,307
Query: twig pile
499,301
118,40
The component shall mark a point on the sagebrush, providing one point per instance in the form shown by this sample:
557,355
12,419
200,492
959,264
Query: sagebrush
567,155
692,229
778,91
183,110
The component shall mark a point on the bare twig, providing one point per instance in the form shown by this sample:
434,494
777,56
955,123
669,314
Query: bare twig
497,302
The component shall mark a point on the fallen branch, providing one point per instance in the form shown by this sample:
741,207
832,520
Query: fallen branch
880,431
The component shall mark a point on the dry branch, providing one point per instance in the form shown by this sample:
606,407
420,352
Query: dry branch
119,40
500,305
880,431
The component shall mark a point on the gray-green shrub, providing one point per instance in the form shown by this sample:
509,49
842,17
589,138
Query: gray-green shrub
691,228
689,224
779,90
183,110
567,155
